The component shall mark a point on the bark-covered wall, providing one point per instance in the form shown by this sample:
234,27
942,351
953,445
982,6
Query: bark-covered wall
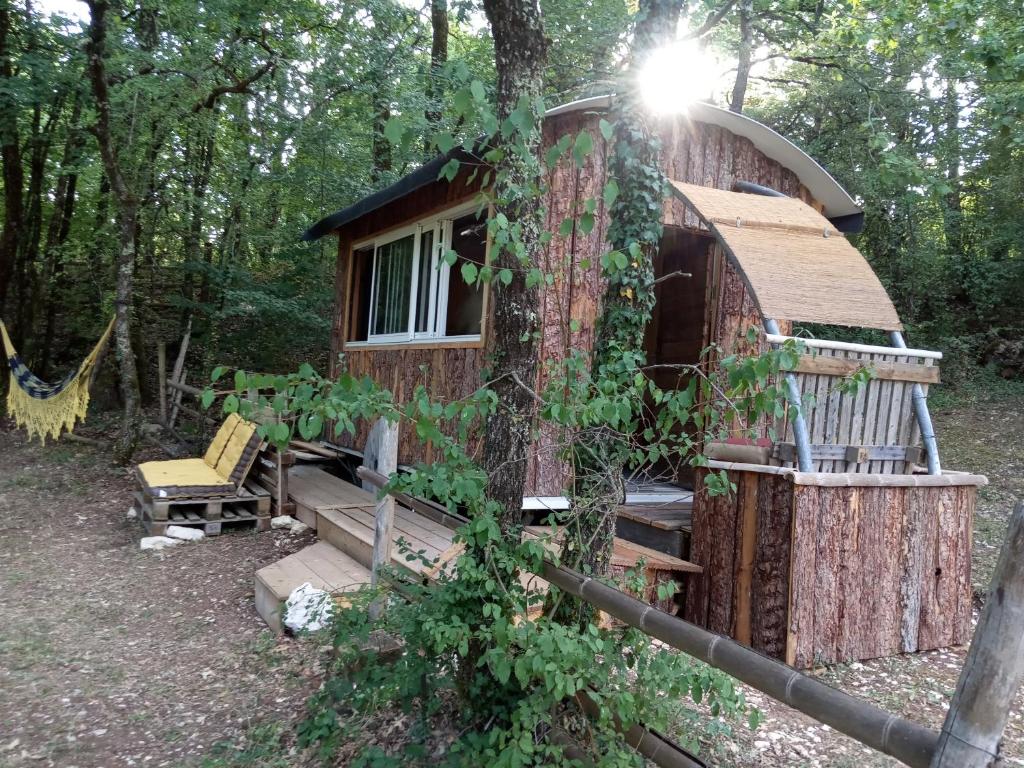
821,574
693,152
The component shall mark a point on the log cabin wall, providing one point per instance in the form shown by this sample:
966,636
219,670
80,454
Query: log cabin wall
821,568
692,151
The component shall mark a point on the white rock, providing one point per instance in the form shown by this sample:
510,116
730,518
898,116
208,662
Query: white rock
133,514
283,521
157,542
299,527
308,609
183,533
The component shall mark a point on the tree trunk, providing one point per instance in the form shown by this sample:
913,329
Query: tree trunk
739,88
27,270
57,232
626,309
520,53
438,57
127,219
10,153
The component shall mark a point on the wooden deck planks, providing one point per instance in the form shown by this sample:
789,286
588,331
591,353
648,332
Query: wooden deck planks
313,488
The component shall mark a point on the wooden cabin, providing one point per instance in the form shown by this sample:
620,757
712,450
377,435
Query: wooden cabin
845,539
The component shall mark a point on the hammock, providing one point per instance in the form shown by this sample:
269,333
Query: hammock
45,409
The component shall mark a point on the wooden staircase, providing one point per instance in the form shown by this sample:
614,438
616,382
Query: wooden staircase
341,559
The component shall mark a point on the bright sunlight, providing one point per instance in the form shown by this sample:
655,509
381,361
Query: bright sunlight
677,75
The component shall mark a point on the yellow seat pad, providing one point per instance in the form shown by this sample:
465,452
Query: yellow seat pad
239,452
180,478
221,439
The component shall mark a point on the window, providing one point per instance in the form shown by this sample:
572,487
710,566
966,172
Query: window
403,289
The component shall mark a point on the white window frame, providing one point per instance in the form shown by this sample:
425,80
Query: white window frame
440,278
391,338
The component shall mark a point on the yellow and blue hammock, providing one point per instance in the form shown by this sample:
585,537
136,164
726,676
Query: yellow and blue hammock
45,409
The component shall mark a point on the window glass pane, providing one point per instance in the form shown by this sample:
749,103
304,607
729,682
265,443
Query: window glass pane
393,286
359,306
465,302
423,323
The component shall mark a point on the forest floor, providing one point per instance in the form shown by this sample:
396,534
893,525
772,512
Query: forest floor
114,657
110,656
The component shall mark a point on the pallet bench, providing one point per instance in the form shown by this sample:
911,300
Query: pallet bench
250,507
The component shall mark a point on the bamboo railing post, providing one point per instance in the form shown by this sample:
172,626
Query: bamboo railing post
994,667
384,515
161,367
800,434
924,418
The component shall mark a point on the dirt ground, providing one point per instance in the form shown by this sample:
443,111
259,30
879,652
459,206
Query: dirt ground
114,657
110,656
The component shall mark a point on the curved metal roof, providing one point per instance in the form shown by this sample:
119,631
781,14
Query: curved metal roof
839,207
819,182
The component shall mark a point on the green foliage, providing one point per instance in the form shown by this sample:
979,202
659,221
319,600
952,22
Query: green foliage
529,669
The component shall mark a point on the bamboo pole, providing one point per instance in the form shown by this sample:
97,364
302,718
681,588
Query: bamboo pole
907,741
994,667
924,418
847,346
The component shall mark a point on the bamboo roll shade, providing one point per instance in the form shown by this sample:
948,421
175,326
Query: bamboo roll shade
796,264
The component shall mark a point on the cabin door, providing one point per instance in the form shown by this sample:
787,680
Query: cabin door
678,331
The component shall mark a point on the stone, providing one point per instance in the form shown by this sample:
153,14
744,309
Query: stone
184,533
157,542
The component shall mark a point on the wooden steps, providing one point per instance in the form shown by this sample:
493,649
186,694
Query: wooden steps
312,489
343,515
663,527
351,531
320,564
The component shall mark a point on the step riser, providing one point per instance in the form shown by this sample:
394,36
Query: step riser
359,550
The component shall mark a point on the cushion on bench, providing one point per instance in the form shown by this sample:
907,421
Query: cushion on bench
239,452
220,472
183,478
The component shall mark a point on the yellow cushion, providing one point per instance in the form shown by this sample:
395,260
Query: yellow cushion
183,478
221,439
239,452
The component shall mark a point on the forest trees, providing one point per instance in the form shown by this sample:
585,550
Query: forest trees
915,111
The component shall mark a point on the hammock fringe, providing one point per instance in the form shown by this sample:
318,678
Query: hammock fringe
45,410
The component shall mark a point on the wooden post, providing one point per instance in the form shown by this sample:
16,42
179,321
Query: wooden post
176,399
994,667
384,515
178,373
161,367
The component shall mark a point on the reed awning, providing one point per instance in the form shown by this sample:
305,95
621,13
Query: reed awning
796,264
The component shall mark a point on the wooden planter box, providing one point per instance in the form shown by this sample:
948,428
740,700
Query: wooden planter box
830,567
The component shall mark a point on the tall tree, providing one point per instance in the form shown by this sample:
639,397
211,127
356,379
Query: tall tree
10,155
438,57
520,51
126,203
